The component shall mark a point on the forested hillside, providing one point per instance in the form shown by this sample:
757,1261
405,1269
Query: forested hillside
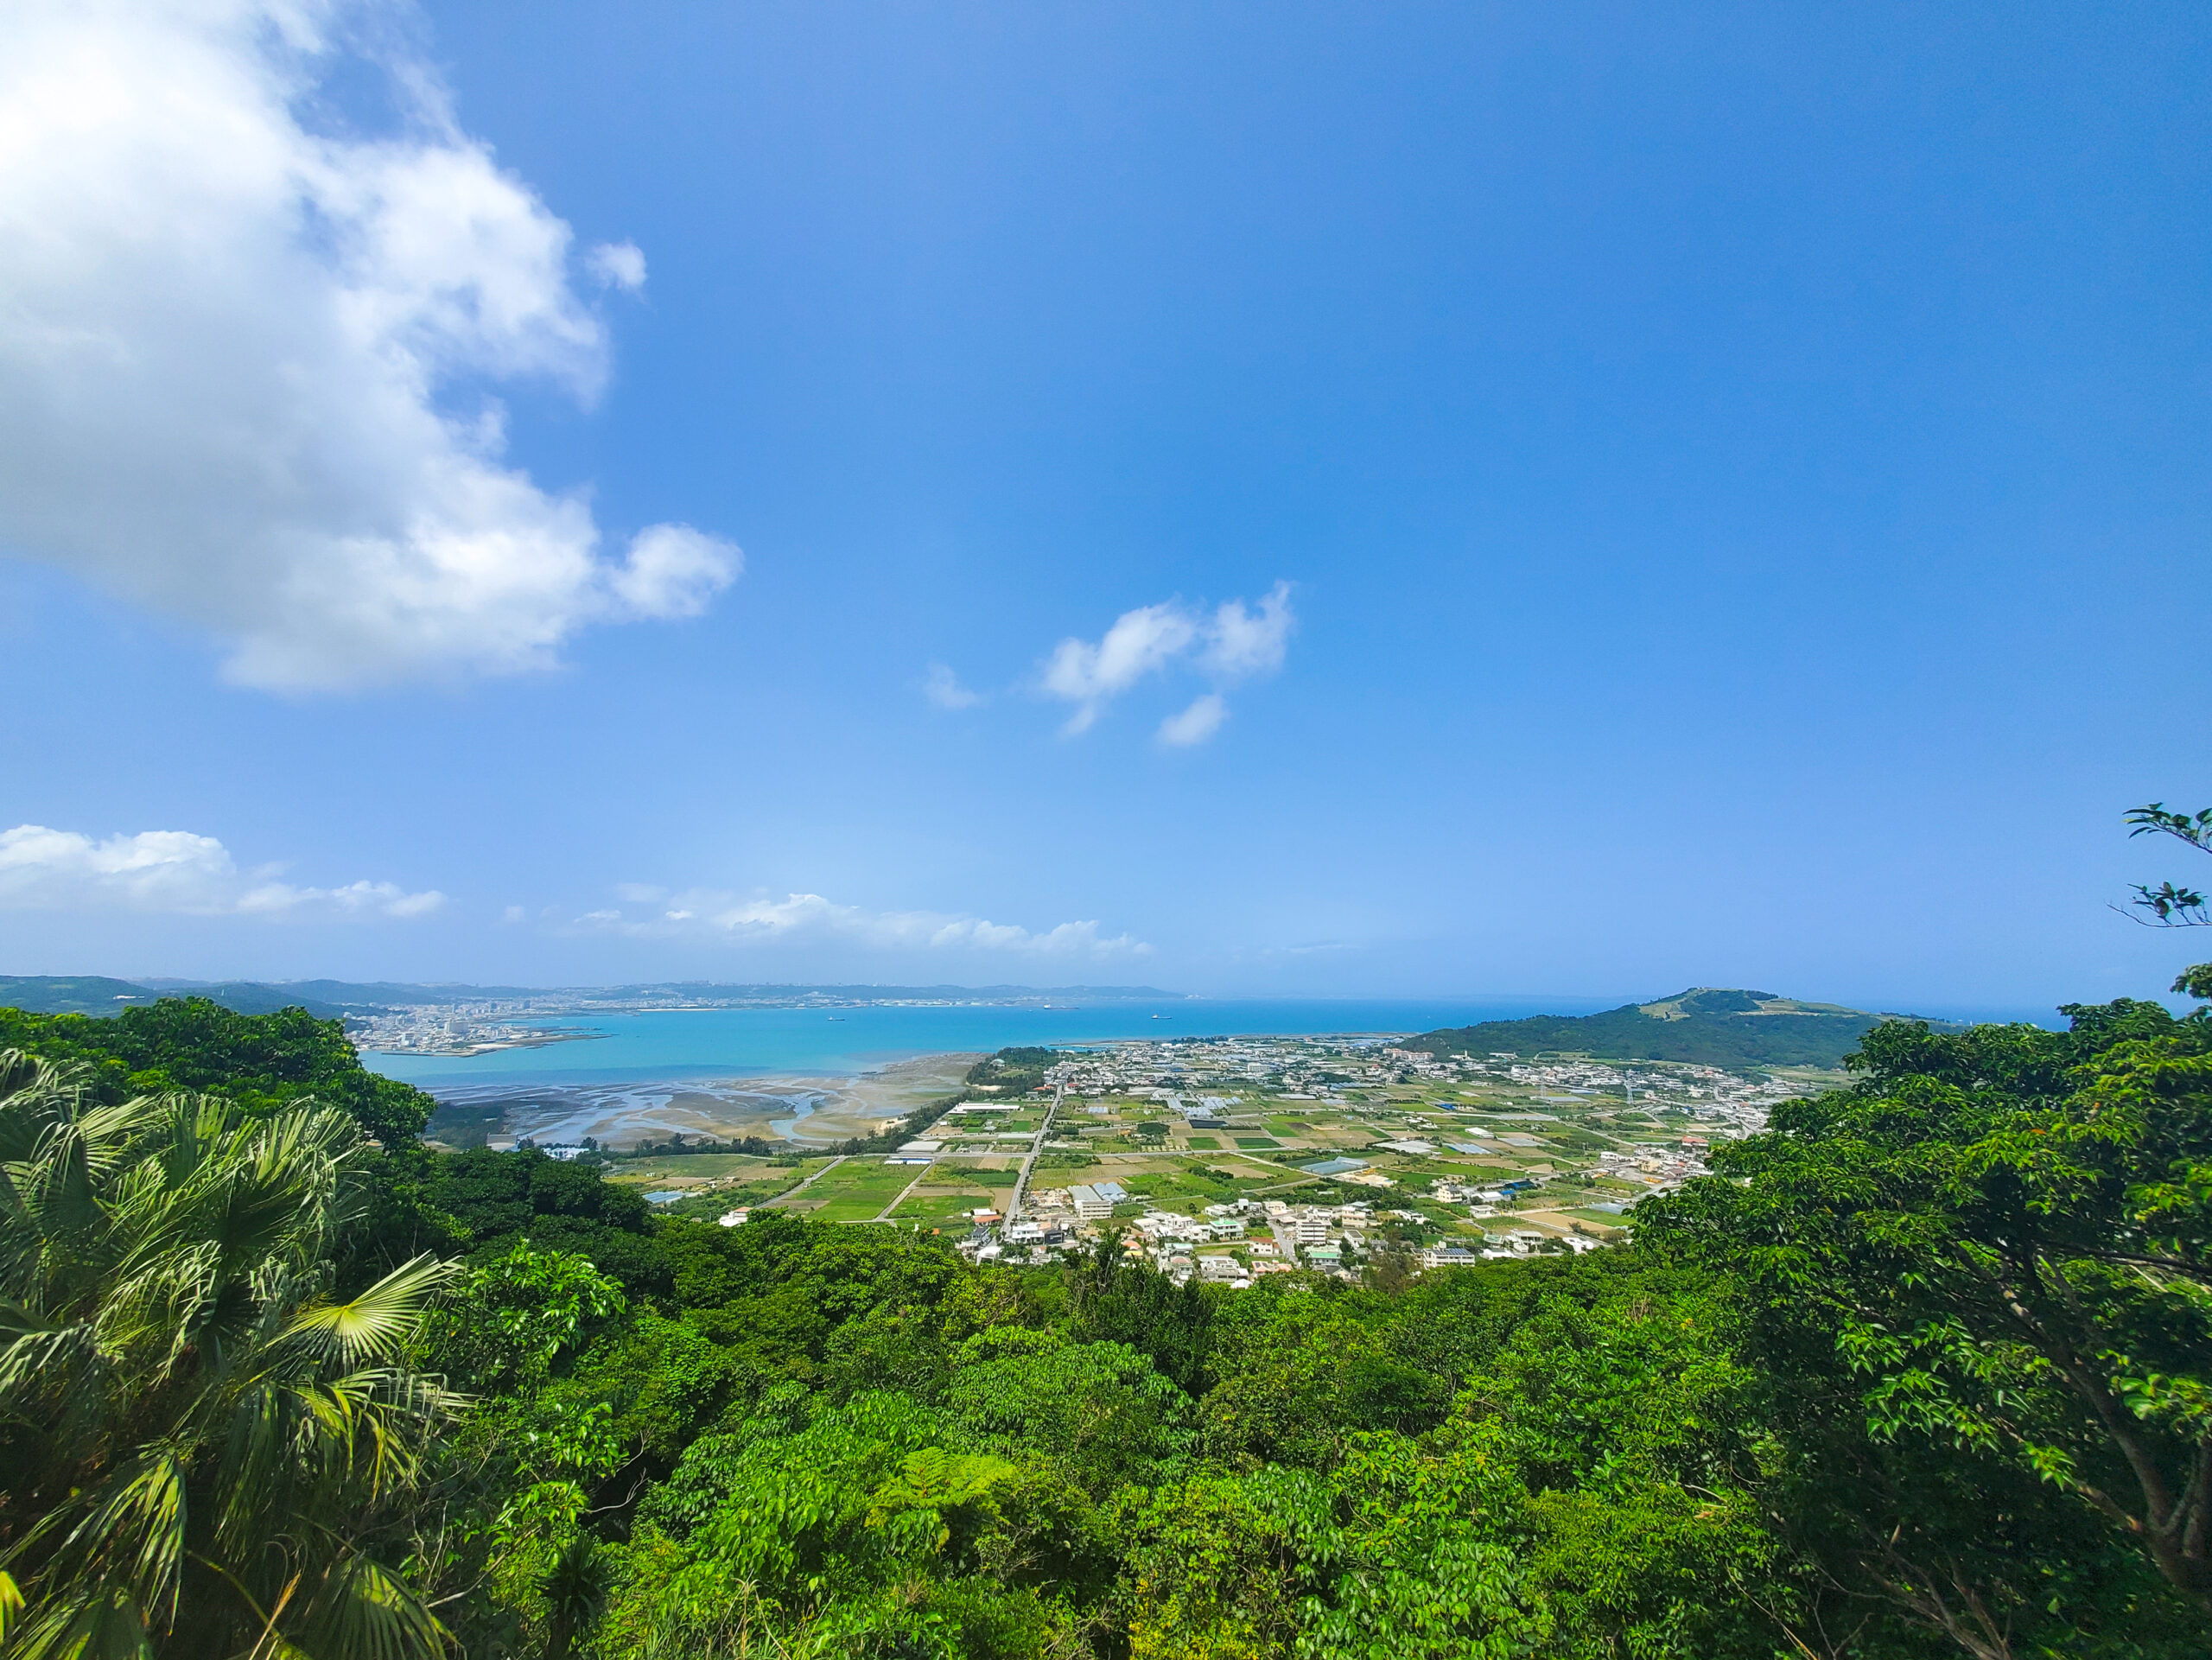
1705,1026
261,1061
72,994
1926,1371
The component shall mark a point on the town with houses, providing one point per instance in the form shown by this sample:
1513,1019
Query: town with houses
459,1029
1232,1159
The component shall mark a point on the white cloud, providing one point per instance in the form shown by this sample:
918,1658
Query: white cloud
1197,723
244,356
173,871
1140,643
1232,645
943,688
760,919
1240,643
618,264
673,571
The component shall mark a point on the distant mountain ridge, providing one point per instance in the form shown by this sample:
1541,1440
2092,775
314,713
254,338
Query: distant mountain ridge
68,993
1712,1026
44,994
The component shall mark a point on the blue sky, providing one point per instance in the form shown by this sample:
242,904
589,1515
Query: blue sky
1739,476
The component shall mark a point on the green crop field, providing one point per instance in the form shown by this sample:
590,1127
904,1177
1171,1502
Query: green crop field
1193,1185
855,1190
661,1169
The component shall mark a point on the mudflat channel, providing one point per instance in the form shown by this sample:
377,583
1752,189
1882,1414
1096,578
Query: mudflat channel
803,1110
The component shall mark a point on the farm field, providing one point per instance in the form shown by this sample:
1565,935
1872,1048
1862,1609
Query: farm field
857,1190
932,1208
1585,1132
696,1169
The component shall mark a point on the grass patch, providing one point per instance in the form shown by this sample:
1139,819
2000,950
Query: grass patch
1198,1184
1065,1164
1210,1143
1254,1142
930,1209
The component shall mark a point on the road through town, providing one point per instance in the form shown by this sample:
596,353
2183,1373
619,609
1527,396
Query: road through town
1036,1146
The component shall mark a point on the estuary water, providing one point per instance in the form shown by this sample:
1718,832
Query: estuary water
675,1044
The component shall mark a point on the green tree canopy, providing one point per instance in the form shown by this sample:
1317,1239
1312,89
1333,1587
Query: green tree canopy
1988,1262
262,1062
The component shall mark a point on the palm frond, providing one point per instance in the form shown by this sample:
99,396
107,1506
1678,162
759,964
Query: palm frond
378,1324
39,1357
133,1530
101,1623
34,1093
363,1610
161,1263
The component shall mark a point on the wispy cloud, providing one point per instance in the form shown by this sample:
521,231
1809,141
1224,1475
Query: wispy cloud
245,355
177,873
943,688
1233,643
618,264
1140,643
1195,724
661,912
1241,643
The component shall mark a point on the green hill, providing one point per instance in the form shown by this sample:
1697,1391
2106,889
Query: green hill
1706,1024
80,994
53,993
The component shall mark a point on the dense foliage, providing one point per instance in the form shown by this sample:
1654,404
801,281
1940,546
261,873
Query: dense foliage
262,1062
1986,1274
198,1440
1926,1371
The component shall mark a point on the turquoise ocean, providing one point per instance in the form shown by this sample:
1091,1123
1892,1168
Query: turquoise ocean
668,1045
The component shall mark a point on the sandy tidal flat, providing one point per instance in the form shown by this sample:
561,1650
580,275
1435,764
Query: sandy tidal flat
806,1111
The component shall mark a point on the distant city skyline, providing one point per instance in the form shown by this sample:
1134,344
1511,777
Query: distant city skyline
1399,504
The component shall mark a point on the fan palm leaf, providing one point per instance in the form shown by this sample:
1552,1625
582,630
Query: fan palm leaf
198,1446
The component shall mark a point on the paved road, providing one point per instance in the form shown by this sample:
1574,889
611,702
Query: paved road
883,1215
1036,1146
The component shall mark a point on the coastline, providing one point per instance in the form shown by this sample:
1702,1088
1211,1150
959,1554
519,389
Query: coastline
469,1049
801,1109
678,1045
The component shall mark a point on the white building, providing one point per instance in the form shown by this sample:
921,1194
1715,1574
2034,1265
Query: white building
1090,1206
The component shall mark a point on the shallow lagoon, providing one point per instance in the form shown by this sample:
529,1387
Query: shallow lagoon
665,1044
